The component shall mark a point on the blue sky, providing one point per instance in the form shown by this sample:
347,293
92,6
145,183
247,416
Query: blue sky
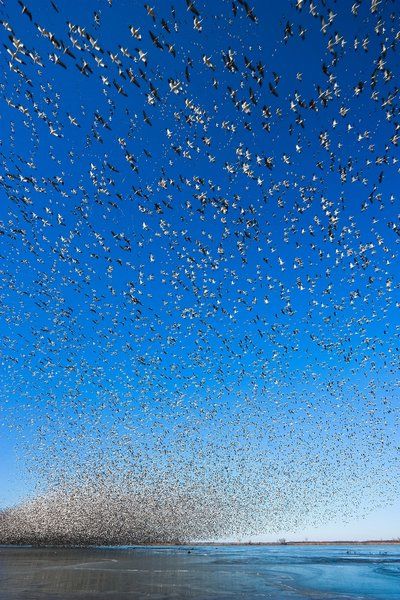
166,294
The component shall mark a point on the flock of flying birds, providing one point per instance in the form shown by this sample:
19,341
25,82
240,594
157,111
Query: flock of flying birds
199,234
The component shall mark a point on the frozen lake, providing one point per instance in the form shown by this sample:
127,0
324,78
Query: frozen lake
201,573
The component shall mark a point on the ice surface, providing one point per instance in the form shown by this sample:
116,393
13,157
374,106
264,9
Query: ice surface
201,573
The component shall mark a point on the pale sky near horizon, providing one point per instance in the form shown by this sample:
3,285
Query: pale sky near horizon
382,524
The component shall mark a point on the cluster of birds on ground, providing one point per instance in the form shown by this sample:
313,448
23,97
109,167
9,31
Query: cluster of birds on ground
199,235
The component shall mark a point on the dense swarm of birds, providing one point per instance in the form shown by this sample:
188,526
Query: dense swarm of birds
199,234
